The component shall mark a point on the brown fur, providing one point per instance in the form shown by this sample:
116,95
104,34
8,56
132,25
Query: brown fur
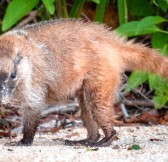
67,58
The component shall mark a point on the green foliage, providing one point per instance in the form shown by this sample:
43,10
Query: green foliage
163,4
77,8
61,8
100,10
48,9
122,11
135,79
140,8
16,10
96,1
147,25
49,4
159,40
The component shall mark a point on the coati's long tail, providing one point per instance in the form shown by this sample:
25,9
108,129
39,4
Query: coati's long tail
139,57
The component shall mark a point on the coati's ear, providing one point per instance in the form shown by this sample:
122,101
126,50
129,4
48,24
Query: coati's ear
17,59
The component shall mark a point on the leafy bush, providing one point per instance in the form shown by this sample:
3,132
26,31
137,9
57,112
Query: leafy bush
136,18
17,9
153,25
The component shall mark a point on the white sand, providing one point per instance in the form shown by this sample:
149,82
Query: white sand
45,149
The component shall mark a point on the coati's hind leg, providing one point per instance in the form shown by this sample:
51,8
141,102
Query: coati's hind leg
100,94
90,124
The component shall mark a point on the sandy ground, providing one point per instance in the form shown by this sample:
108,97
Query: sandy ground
47,148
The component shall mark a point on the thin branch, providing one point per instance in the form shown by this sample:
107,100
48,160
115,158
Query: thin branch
137,91
137,102
124,110
63,108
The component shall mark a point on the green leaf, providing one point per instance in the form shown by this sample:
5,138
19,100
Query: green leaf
77,8
130,29
62,10
122,11
134,147
100,10
135,79
148,22
160,100
149,30
153,81
166,1
161,45
163,4
164,50
140,8
162,88
16,10
96,1
144,26
159,84
161,93
127,29
49,4
156,37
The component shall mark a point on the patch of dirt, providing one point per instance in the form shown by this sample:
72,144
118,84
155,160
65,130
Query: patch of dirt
152,140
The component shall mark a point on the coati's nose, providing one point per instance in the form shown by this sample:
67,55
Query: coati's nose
5,102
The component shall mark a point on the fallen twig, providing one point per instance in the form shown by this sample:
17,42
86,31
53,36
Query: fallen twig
124,110
137,102
70,107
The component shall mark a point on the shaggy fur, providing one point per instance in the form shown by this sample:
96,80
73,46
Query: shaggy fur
68,58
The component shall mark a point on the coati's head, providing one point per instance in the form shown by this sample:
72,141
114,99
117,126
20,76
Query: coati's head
9,61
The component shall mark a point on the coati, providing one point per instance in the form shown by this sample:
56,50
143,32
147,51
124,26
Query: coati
46,62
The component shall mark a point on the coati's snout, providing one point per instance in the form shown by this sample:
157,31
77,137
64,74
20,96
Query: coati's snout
7,85
8,78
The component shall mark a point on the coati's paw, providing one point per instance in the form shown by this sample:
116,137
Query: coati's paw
106,141
19,143
84,142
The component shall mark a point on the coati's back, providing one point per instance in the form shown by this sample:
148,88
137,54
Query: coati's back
89,41
74,49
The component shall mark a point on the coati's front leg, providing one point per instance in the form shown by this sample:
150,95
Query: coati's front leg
90,124
30,124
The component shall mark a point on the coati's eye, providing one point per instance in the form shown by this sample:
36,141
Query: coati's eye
13,75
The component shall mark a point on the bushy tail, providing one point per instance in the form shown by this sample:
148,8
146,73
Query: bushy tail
139,57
